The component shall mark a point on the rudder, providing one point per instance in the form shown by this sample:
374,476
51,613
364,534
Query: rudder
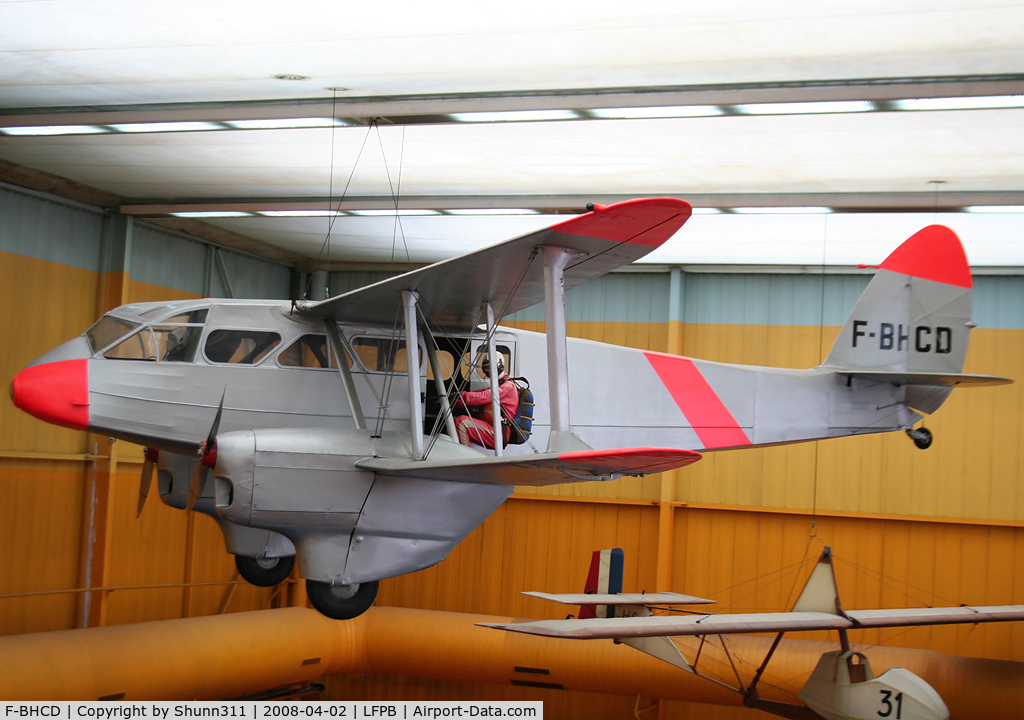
914,316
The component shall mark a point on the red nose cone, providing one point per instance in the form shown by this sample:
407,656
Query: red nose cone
56,392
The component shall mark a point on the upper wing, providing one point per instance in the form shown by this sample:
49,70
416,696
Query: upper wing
537,469
667,625
510,275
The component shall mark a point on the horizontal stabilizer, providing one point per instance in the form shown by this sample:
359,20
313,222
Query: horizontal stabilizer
668,625
662,598
924,378
510,275
539,468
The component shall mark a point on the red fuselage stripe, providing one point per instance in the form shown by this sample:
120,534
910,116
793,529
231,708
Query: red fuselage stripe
704,410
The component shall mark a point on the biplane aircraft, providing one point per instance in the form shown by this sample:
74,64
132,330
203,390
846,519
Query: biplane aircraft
842,685
328,426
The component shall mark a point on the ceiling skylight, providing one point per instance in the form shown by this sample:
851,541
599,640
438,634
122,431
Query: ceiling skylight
411,212
806,108
55,130
166,127
515,116
642,113
781,210
211,214
995,209
300,213
285,123
988,102
493,211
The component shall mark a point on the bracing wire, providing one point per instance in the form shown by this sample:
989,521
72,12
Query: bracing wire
444,330
334,212
330,193
821,349
395,192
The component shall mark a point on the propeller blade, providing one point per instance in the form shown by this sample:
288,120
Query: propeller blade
216,421
146,481
195,488
207,459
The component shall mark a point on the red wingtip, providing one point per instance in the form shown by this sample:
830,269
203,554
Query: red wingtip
645,221
934,253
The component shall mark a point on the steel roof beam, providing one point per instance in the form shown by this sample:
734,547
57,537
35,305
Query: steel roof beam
431,108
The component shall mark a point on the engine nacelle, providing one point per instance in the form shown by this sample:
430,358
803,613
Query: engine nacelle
348,525
174,473
842,687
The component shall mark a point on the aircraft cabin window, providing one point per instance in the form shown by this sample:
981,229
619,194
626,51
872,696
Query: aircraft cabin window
192,316
240,347
381,354
107,330
473,365
177,343
447,362
311,351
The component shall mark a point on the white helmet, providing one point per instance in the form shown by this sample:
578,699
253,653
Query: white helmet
485,367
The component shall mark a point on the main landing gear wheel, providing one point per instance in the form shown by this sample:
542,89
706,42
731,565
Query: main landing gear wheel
922,437
342,602
264,572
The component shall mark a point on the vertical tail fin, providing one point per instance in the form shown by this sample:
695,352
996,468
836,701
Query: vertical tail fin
605,576
913,317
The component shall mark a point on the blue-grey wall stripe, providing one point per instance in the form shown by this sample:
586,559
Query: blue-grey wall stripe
70,234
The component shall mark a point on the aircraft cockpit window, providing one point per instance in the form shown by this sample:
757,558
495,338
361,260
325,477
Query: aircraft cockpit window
107,330
310,351
140,346
381,354
241,347
169,343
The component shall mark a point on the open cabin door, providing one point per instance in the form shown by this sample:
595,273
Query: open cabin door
459,360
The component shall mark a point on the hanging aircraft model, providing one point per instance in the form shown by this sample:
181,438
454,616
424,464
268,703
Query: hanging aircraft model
841,687
271,395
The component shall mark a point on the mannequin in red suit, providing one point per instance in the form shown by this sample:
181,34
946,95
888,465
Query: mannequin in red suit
478,426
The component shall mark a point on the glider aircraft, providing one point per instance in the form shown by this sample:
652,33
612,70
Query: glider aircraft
328,425
842,685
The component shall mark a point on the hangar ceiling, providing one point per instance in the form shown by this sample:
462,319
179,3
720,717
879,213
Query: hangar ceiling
286,123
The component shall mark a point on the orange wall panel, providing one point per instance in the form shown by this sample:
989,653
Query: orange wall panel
531,545
40,534
45,304
758,562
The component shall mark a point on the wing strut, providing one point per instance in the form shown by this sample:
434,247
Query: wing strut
492,360
439,384
412,349
562,438
346,374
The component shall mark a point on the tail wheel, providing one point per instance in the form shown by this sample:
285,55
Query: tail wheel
922,437
264,572
341,602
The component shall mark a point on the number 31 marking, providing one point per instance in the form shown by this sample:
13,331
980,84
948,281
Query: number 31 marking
887,704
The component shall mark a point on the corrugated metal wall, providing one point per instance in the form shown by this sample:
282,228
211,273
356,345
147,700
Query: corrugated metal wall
908,527
49,263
